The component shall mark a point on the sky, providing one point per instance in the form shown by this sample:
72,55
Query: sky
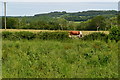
32,8
20,8
60,0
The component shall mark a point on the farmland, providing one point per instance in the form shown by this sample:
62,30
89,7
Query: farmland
35,31
59,59
39,46
46,54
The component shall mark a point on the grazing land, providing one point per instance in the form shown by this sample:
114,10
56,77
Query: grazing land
35,31
39,46
59,59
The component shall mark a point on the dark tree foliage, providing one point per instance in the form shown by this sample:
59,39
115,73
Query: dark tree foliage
118,19
115,33
77,16
10,23
85,20
96,36
97,22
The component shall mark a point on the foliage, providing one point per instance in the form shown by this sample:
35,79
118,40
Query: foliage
79,16
118,18
84,25
52,35
115,33
98,21
6,34
87,20
96,36
10,22
17,35
56,59
110,22
31,35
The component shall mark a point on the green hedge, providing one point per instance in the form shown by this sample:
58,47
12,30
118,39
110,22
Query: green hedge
18,35
52,35
115,34
96,36
31,35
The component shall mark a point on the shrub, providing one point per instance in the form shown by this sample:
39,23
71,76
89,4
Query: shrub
52,35
115,34
25,35
30,35
6,35
96,36
18,35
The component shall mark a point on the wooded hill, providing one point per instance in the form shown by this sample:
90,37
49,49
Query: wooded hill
81,16
86,20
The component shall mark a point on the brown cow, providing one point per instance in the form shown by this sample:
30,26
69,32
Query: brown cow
77,33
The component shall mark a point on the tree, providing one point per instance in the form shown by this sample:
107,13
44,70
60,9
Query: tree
110,22
118,19
10,23
63,23
96,23
72,25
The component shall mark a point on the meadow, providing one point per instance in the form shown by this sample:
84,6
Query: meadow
36,31
72,58
39,46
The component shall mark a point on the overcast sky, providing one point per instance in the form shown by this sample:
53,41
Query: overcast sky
60,0
48,8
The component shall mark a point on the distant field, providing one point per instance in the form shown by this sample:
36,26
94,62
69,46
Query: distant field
32,30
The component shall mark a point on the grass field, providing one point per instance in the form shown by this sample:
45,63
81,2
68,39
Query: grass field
59,59
84,32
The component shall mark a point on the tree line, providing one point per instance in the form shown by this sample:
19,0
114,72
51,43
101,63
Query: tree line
45,22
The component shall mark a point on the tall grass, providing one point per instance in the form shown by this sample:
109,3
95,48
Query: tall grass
56,59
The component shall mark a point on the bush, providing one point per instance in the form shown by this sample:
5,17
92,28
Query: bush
25,35
6,35
18,35
52,35
96,36
115,34
30,35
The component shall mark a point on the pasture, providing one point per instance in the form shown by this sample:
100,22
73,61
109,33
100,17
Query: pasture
52,54
32,30
59,59
50,45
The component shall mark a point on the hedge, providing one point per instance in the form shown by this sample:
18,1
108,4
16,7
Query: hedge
114,34
30,35
96,36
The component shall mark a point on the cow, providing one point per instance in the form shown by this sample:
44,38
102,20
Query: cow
75,33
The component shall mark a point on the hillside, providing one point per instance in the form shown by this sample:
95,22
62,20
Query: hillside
80,16
86,20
